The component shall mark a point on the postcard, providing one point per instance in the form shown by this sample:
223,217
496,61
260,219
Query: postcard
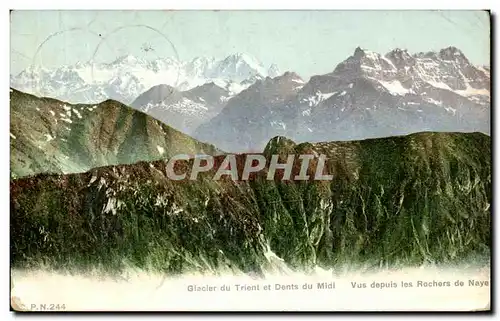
315,160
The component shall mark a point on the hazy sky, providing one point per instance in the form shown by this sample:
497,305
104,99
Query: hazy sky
307,42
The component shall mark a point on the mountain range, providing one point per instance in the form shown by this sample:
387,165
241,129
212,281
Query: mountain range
89,190
397,201
51,136
125,78
366,96
183,110
405,137
238,105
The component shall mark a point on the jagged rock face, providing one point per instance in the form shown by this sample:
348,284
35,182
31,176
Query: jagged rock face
394,201
448,69
273,71
239,67
50,136
186,110
278,145
240,122
366,96
210,94
158,94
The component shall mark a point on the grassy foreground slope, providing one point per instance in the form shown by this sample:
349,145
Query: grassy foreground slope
409,200
47,135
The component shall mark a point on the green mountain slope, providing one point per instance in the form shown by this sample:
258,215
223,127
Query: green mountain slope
48,135
409,200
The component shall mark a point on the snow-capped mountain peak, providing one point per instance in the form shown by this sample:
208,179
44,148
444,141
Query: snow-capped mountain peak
128,60
402,72
200,66
242,57
365,62
128,76
400,57
365,56
359,52
367,95
273,71
453,54
239,67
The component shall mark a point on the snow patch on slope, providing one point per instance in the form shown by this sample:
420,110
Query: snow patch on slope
127,77
394,87
184,106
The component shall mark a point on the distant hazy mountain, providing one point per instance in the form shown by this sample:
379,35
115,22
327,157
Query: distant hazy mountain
238,104
368,95
186,110
127,77
50,136
251,114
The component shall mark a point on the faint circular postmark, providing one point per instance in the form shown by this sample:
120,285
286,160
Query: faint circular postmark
36,85
146,48
36,70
